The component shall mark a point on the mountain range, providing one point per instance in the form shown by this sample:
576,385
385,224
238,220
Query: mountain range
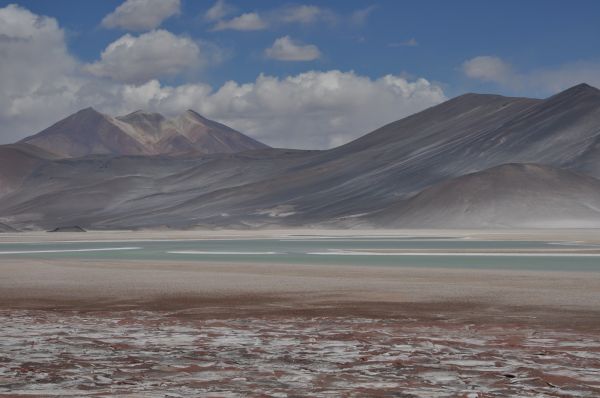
475,161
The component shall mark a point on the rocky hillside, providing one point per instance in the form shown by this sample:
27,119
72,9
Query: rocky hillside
89,132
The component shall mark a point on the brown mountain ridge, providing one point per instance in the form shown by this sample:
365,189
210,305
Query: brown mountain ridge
89,132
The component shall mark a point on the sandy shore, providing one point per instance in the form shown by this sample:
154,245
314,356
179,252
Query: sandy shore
211,289
582,235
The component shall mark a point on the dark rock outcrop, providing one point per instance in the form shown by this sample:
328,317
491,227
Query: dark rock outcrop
73,228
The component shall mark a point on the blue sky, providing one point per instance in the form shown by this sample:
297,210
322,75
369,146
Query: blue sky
527,48
528,34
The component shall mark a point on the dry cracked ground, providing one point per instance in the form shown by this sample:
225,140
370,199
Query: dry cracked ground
163,354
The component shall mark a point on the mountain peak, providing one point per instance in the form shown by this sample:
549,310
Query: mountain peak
580,90
197,119
86,115
492,98
88,111
477,99
139,133
477,95
583,87
192,113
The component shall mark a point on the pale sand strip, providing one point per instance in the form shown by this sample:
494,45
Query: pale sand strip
427,253
102,249
38,283
222,253
571,235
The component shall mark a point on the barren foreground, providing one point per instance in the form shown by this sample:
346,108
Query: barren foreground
172,354
169,328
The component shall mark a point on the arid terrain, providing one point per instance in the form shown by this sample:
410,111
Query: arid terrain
199,328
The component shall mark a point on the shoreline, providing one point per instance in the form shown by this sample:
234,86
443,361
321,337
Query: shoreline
132,282
232,290
543,234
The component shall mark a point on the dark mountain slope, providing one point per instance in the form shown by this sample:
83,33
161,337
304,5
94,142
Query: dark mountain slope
17,161
512,195
6,228
467,134
112,191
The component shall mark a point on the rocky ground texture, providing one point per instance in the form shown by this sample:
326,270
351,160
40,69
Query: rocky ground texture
173,354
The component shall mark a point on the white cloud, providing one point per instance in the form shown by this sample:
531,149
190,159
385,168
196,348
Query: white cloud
301,14
34,82
545,81
288,14
132,59
286,49
319,109
245,22
219,10
309,110
140,15
359,17
42,83
488,68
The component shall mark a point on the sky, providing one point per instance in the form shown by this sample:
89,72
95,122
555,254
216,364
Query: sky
291,74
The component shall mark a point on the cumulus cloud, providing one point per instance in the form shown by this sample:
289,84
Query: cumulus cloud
309,110
34,70
544,81
284,15
41,83
140,15
245,22
304,14
286,49
219,10
132,59
488,68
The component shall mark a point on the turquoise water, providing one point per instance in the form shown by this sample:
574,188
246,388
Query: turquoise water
325,251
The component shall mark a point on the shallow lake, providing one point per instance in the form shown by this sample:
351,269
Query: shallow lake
368,251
